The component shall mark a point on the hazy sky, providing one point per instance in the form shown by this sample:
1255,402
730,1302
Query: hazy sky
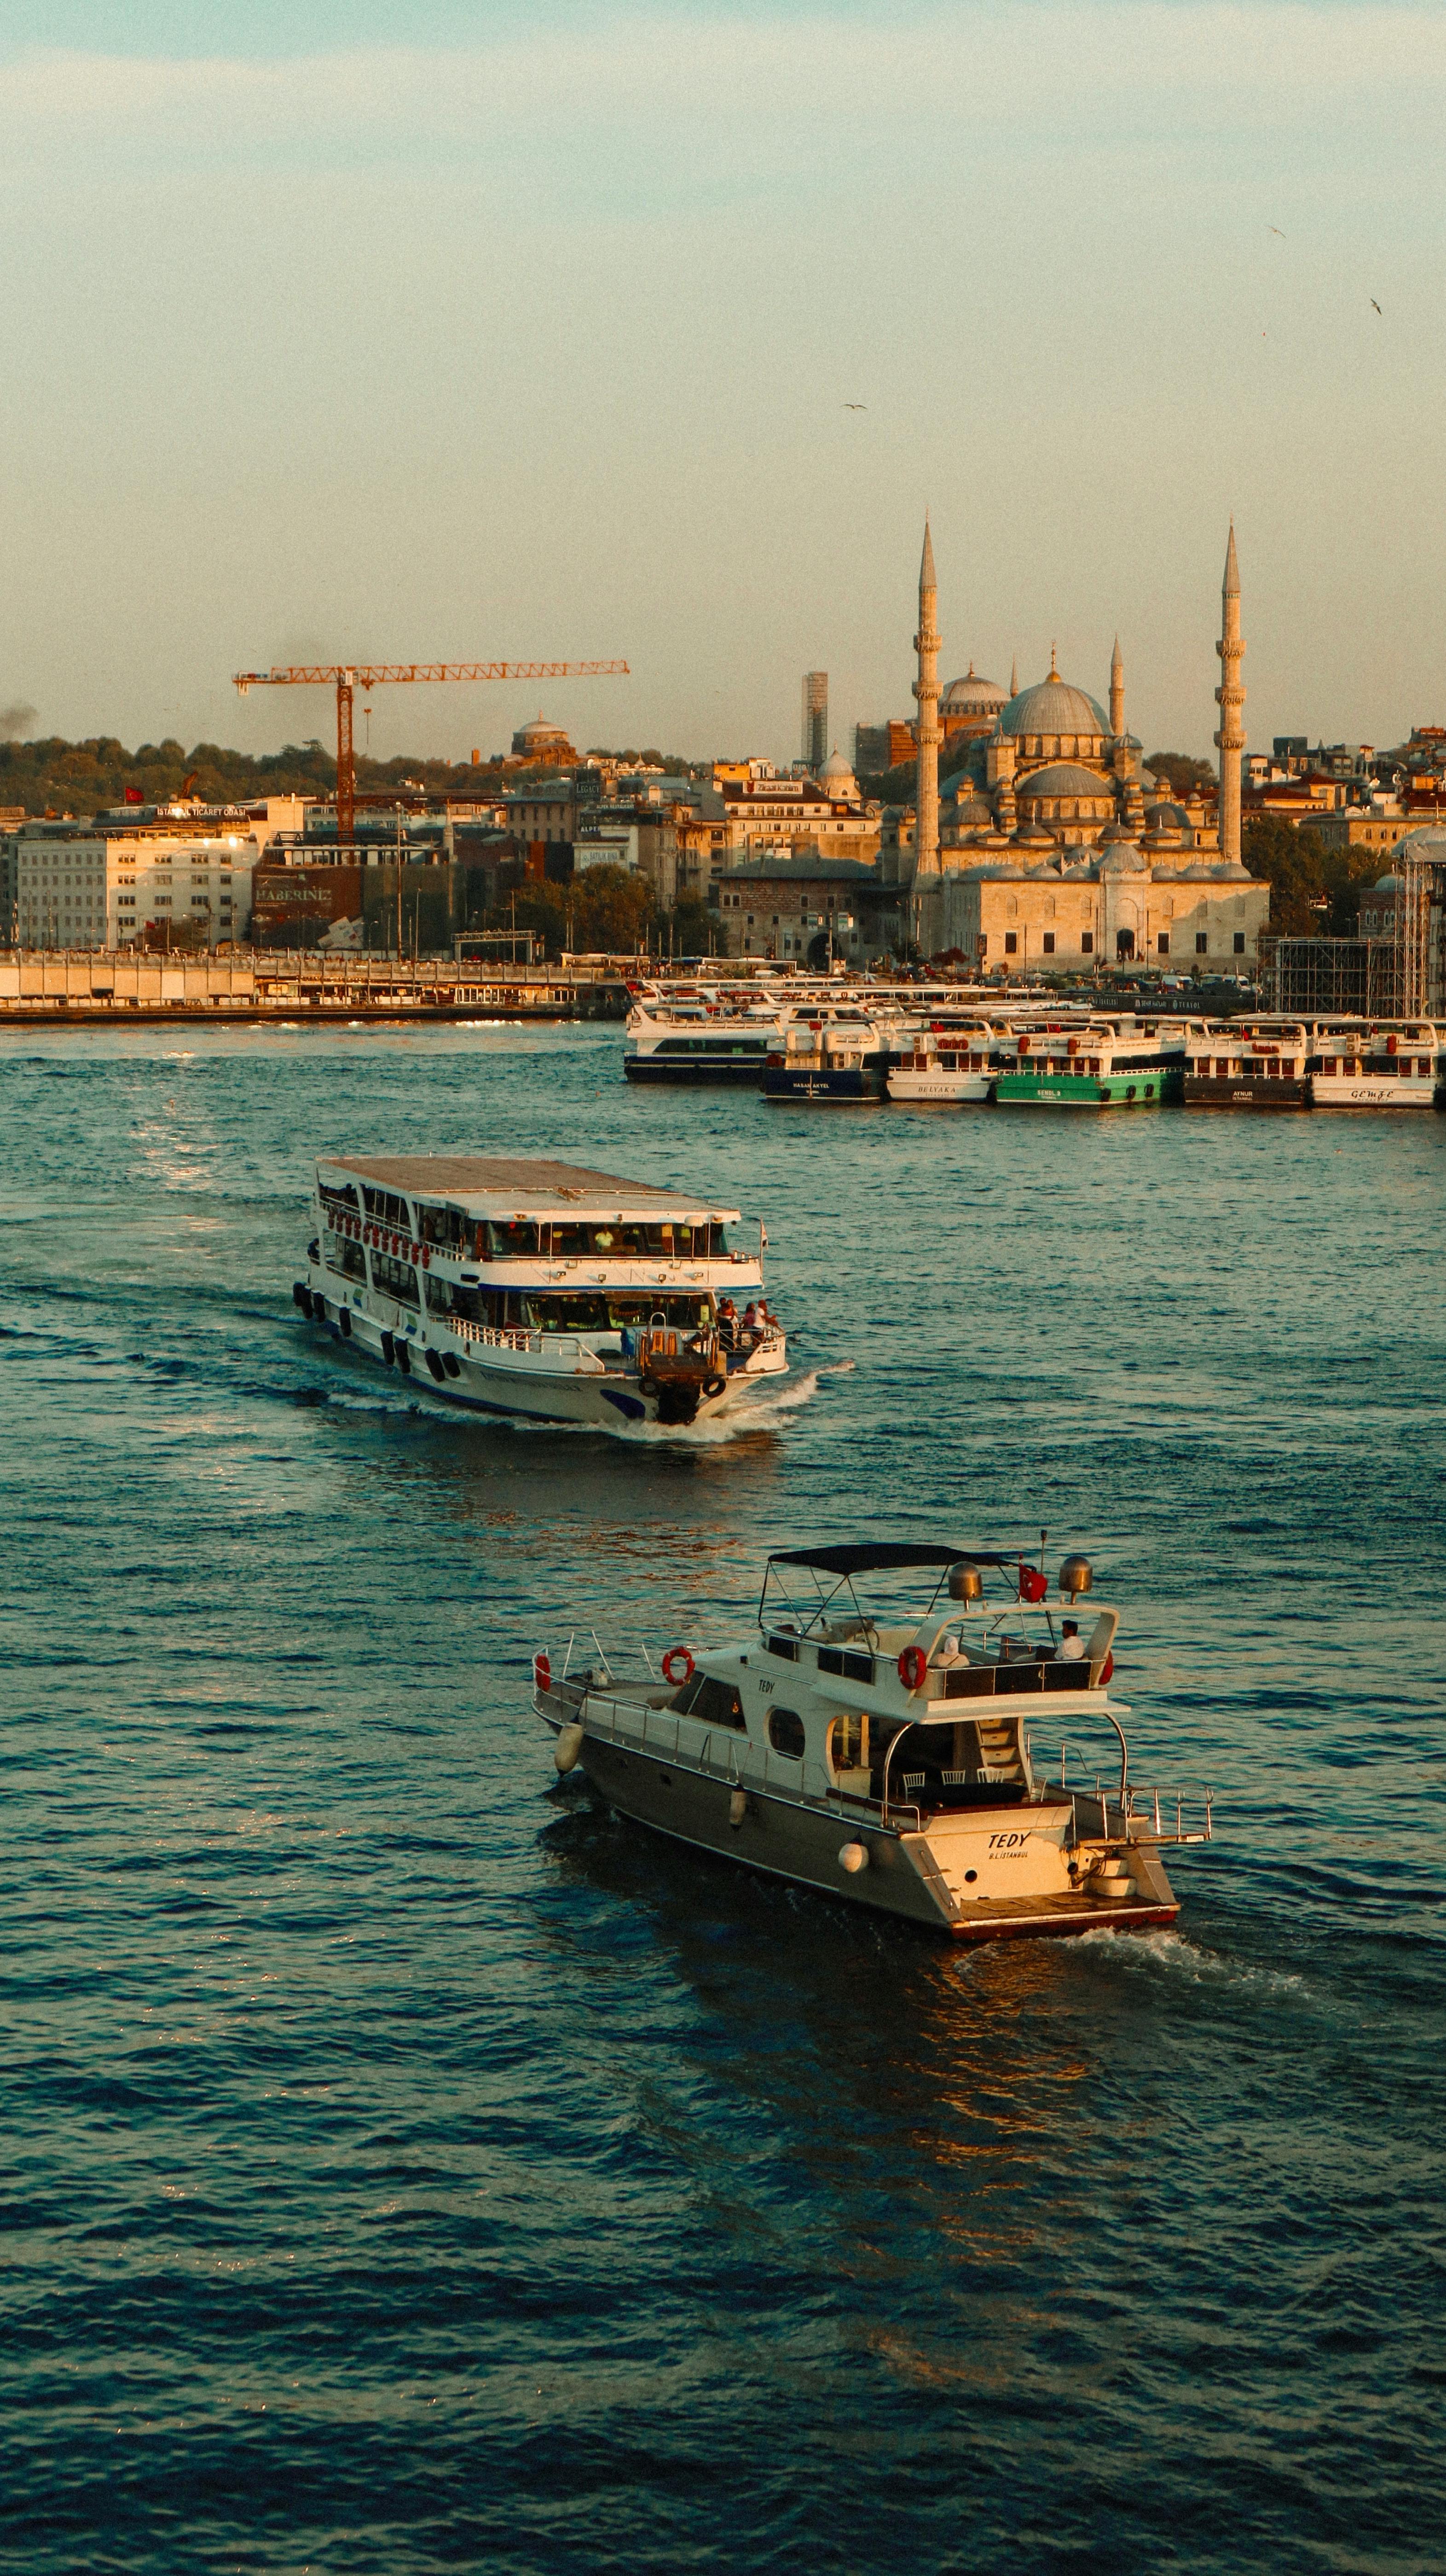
464,331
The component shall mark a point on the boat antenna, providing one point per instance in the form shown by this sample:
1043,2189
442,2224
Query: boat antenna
1043,1535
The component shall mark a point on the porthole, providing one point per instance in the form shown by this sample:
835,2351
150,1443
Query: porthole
970,1876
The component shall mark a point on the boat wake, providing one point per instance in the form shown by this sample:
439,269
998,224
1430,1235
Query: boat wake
1169,1954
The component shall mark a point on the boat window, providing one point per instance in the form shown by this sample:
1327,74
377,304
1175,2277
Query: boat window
716,1703
512,1242
579,1310
391,1210
857,1668
397,1278
785,1732
443,1225
345,1257
475,1305
787,1647
333,1197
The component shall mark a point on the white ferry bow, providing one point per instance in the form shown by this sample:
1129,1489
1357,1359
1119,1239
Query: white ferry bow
539,1288
889,1759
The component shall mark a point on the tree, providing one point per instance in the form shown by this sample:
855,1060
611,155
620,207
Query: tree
1180,773
1294,863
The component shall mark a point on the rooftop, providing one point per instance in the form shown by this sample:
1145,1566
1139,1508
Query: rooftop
514,1186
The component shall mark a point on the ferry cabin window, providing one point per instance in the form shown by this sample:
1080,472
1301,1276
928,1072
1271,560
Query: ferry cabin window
395,1278
388,1209
446,1297
344,1256
716,1703
443,1226
574,1241
334,1197
514,1241
599,1311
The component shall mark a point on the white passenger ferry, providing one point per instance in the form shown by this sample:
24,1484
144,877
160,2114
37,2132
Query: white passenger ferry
949,1062
539,1289
892,1751
1378,1064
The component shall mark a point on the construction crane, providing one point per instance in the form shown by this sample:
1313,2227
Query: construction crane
347,677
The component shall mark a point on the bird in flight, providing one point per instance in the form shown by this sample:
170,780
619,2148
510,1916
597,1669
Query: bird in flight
1275,228
1375,308
855,406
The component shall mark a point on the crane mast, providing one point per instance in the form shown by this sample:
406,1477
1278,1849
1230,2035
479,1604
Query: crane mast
348,677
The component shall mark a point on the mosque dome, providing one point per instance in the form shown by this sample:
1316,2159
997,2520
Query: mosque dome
1065,778
973,697
838,780
1053,706
1119,856
540,736
1167,817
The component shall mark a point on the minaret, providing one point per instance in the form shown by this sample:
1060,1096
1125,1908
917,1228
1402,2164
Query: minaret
1117,692
1230,698
1014,677
926,690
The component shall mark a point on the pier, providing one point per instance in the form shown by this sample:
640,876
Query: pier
94,988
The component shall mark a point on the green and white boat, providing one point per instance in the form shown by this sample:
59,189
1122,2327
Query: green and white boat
1108,1064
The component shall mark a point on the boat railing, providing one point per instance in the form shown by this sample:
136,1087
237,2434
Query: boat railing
511,1337
1181,1813
723,1755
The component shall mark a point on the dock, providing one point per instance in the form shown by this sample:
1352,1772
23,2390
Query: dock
95,988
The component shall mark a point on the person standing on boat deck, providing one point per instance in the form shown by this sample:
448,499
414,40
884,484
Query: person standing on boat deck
1071,1644
728,1324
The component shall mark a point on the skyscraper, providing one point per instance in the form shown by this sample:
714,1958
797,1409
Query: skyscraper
815,718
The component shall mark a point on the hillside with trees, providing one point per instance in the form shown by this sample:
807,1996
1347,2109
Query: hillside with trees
58,777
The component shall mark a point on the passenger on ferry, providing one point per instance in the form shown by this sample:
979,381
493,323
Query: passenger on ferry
728,1324
1072,1645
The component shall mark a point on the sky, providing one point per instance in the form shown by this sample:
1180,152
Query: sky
475,331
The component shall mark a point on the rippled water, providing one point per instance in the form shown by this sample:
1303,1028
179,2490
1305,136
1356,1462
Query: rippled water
412,2167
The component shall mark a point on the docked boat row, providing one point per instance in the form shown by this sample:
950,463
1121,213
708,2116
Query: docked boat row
854,1048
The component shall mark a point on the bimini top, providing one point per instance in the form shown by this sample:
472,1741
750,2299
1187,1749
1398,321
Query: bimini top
890,1553
496,1184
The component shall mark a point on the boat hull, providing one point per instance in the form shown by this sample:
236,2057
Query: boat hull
742,1073
510,1383
1237,1091
1368,1091
941,1090
915,1876
839,1086
1138,1089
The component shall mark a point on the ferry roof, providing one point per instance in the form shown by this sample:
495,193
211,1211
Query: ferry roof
503,1186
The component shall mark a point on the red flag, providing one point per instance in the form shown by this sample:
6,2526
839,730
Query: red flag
134,796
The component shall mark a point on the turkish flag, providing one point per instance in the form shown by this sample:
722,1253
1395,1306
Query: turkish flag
134,796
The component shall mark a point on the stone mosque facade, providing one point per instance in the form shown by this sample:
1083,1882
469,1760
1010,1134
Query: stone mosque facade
1053,847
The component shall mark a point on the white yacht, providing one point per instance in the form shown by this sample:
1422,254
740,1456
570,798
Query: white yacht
539,1289
882,1737
713,1033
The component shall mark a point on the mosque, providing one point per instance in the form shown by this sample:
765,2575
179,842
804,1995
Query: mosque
1054,843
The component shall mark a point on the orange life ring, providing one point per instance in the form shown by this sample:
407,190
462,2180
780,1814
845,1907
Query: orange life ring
913,1665
1033,1582
1107,1668
542,1671
678,1666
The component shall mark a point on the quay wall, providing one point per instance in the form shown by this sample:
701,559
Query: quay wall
50,988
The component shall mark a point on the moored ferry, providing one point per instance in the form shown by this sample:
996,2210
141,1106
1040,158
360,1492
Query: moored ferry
1107,1064
881,1738
707,1033
1248,1064
539,1289
948,1063
837,1054
1378,1064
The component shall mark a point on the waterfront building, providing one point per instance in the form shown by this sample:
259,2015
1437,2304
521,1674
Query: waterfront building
815,719
807,908
184,877
766,814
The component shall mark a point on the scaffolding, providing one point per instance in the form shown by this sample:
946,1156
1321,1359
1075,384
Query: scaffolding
1400,976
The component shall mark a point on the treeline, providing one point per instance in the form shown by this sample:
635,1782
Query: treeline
59,777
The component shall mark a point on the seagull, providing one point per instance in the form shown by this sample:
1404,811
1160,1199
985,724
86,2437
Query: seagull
1275,228
855,406
1375,308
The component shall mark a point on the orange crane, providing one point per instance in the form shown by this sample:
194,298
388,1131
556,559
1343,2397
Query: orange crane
349,676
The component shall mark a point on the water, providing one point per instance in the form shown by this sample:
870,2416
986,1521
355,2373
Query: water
409,2167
